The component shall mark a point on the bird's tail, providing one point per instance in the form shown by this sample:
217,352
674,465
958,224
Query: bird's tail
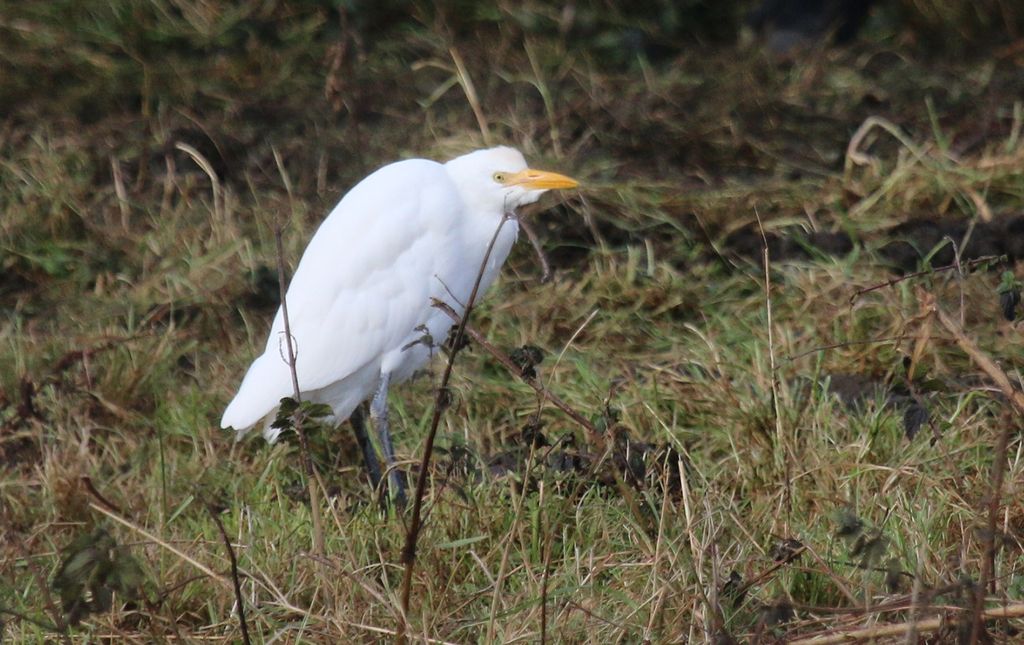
259,395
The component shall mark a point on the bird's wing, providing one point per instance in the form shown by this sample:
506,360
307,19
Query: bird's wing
362,286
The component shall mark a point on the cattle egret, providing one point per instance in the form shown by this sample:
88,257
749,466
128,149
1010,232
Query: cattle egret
359,304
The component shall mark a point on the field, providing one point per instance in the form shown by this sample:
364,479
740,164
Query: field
780,311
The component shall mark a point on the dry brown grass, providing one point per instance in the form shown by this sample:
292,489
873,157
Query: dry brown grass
137,215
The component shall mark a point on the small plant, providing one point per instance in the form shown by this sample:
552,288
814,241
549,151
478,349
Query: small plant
869,545
290,409
93,570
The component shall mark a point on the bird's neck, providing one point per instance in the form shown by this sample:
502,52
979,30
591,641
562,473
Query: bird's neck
486,232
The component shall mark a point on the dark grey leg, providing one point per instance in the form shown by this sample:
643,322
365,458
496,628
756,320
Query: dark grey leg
379,414
358,421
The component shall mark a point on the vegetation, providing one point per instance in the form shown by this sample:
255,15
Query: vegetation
786,298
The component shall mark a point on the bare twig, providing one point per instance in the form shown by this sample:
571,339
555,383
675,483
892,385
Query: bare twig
234,575
312,477
440,404
531,235
593,433
970,264
767,573
87,482
852,343
307,463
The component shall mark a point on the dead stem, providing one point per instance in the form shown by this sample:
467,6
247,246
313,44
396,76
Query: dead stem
307,462
962,267
235,578
593,434
312,477
440,404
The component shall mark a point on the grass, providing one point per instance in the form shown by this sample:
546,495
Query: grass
139,278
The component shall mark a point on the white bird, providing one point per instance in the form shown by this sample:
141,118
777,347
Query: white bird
359,303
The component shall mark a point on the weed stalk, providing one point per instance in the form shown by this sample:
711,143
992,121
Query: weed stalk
312,477
412,535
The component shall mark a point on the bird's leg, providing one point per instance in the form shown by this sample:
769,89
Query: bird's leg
379,414
358,421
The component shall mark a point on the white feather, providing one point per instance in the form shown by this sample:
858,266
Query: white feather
410,232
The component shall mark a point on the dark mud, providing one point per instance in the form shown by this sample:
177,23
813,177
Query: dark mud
904,248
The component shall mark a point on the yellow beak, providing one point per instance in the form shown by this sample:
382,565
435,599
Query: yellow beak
541,180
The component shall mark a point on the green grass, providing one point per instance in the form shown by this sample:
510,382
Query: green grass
135,289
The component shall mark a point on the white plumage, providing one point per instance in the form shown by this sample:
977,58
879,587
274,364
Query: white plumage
361,295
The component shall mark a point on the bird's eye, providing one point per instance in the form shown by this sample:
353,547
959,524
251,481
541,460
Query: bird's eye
499,177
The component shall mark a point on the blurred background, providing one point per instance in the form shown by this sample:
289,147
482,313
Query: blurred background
690,94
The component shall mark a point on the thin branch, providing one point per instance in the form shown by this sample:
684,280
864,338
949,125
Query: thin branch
234,575
163,595
440,404
87,482
853,343
594,434
312,477
531,235
767,573
970,264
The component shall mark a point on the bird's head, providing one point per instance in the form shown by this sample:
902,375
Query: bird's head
498,179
